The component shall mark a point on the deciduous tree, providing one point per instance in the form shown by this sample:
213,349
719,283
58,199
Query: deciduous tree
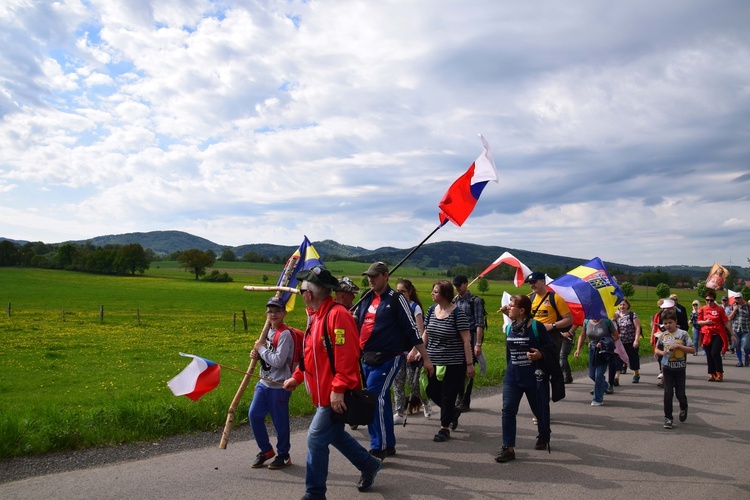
196,261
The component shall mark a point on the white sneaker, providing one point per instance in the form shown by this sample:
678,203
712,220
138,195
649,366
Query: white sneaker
597,403
398,419
660,376
427,409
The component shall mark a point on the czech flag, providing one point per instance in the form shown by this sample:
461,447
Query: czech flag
507,258
307,258
200,376
732,295
460,199
589,290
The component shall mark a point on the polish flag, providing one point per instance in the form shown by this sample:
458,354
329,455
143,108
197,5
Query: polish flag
732,296
507,258
199,377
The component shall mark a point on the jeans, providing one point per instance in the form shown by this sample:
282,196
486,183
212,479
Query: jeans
713,355
379,378
323,432
512,395
565,348
742,346
596,373
275,402
674,384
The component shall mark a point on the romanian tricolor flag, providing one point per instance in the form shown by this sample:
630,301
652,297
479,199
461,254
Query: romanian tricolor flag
589,290
199,377
507,258
460,199
307,258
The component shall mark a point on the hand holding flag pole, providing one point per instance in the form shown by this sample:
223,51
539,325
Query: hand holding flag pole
286,276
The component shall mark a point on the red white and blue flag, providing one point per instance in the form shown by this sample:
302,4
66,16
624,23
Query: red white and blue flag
200,376
589,290
461,198
507,258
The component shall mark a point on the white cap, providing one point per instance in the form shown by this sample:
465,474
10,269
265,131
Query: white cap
667,304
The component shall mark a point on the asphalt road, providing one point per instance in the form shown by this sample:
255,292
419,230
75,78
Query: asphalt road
619,450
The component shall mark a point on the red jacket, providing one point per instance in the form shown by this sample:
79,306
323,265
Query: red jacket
719,317
344,335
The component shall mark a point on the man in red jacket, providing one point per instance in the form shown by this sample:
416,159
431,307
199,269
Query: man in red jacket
326,388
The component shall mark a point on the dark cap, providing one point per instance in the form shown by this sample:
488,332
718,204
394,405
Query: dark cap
347,285
460,279
273,301
536,275
320,276
375,269
724,299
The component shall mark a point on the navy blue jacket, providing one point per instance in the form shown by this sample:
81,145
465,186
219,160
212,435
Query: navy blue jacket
392,332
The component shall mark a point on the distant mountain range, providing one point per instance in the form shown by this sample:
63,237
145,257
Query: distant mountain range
441,255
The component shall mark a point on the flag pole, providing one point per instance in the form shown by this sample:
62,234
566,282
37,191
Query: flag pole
285,277
398,265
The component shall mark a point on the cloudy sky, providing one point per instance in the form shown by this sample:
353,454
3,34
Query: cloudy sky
619,129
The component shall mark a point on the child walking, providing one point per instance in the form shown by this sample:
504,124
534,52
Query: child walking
275,356
674,344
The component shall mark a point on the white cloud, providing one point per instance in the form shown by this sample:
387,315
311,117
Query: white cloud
619,130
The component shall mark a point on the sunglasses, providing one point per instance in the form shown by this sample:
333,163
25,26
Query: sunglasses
710,300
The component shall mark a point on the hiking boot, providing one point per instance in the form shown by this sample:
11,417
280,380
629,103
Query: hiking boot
683,415
367,479
381,454
667,423
390,451
463,406
541,444
262,458
505,455
280,462
442,436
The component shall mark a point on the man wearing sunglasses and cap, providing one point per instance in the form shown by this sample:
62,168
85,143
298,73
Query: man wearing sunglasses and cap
549,309
327,384
386,329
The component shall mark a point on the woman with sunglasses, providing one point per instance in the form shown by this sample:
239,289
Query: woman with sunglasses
714,327
447,337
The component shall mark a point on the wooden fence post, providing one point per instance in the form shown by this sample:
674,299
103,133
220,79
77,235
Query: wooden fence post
63,314
234,322
101,314
138,314
244,319
9,309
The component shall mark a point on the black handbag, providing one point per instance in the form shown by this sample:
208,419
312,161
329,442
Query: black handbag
360,407
360,403
606,345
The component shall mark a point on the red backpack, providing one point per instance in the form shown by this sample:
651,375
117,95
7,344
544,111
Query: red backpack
297,337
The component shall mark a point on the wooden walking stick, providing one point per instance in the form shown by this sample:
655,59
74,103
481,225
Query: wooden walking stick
285,277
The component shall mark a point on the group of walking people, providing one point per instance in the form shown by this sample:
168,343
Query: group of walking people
388,337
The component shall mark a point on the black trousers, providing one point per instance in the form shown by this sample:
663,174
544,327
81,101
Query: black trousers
674,385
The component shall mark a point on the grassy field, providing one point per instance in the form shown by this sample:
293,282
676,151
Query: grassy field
69,380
